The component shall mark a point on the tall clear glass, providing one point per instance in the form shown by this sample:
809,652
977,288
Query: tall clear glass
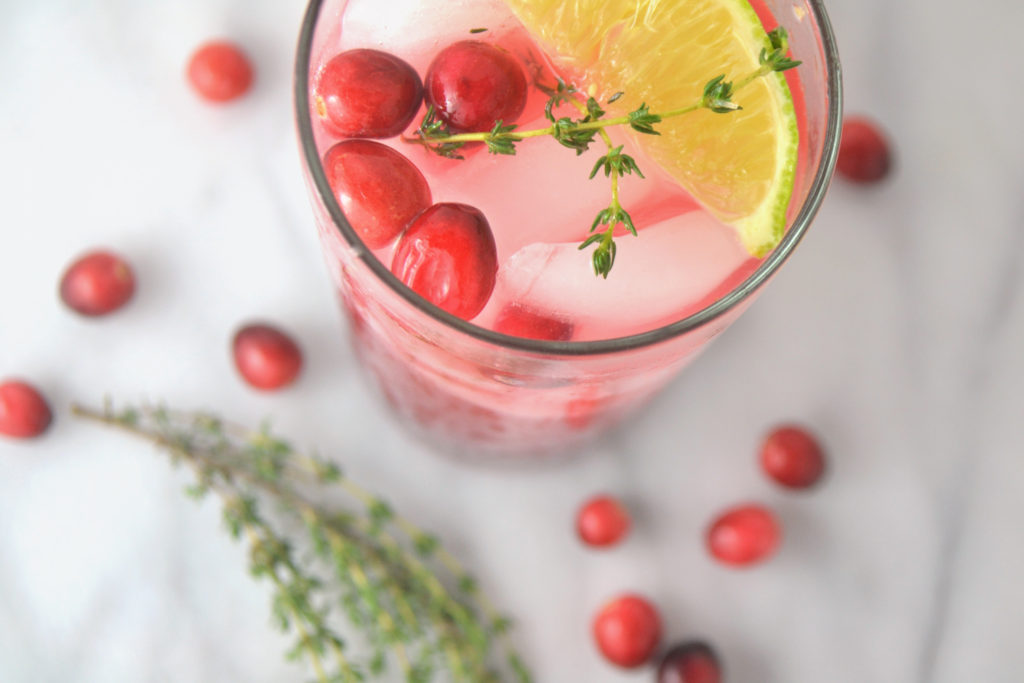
472,390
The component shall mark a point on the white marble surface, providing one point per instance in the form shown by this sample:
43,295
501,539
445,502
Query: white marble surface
896,330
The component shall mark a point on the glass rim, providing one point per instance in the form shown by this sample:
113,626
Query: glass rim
716,309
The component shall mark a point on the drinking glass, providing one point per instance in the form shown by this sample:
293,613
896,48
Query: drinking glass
473,391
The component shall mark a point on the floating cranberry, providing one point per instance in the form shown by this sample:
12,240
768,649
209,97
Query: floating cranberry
97,283
379,190
367,94
792,456
518,321
220,71
473,84
266,357
447,256
602,522
863,151
24,412
690,662
744,535
628,631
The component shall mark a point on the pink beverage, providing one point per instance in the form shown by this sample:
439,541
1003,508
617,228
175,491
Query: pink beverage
526,350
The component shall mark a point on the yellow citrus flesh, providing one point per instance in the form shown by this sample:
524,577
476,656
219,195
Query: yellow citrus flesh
739,165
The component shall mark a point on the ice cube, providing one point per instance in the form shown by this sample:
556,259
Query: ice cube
665,273
415,29
544,194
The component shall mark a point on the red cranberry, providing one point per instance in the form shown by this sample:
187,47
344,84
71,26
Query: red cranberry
473,85
379,190
628,631
602,521
792,457
690,662
367,94
24,412
266,357
220,71
518,321
582,413
97,283
744,535
447,256
863,151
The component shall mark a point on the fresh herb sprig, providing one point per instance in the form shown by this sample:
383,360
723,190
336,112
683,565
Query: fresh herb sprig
409,599
580,132
436,136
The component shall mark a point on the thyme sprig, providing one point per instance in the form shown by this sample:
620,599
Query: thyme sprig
580,132
431,129
410,601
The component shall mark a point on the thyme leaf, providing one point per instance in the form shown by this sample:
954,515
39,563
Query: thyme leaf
580,132
411,603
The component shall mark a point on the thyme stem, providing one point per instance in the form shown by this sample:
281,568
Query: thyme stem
434,134
404,601
599,125
298,620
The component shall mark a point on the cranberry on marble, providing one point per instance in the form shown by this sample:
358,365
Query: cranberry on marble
690,662
266,357
792,456
97,283
864,155
628,631
602,521
220,71
24,413
744,535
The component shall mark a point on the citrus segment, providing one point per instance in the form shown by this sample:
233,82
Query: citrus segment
739,165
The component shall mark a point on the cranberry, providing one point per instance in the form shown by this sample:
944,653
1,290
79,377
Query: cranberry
602,521
792,456
24,412
744,535
97,283
582,413
473,85
367,94
628,631
266,357
690,662
219,71
379,190
447,256
518,321
863,151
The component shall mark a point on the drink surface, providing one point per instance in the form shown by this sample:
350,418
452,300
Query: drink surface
516,222
540,202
